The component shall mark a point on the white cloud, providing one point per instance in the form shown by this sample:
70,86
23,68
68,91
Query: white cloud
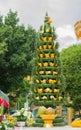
66,36
64,14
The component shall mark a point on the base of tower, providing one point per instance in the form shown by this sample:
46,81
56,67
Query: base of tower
48,119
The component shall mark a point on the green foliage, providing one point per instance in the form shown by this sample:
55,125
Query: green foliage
47,72
2,126
71,64
39,122
77,104
17,45
58,121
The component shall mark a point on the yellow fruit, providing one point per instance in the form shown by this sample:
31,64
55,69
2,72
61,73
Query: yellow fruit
50,110
41,110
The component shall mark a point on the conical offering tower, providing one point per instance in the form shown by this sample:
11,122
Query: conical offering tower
47,87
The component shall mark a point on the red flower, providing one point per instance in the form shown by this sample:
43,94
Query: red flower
1,101
4,102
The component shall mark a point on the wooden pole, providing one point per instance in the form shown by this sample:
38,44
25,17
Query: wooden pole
70,115
59,110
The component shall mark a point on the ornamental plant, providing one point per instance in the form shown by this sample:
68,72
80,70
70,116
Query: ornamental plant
22,115
9,122
4,105
48,80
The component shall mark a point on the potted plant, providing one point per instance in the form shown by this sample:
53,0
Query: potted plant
22,116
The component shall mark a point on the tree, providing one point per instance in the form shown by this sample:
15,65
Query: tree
48,81
77,105
16,50
71,64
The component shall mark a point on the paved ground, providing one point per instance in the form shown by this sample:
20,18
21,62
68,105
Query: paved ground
54,128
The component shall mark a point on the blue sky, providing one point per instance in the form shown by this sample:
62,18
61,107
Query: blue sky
64,14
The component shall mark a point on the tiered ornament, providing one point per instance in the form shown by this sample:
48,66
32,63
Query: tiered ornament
47,81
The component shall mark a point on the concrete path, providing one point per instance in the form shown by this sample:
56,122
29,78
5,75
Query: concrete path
42,128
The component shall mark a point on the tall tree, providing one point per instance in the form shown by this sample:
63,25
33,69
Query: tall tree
16,50
71,63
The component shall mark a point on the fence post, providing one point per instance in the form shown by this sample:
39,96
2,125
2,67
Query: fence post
70,115
59,110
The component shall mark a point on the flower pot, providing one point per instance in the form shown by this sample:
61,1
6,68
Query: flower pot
20,123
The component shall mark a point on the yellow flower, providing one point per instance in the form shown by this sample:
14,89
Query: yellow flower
59,98
40,90
48,29
49,46
10,119
50,81
50,39
44,38
41,55
37,98
48,72
40,47
49,20
53,81
41,72
56,90
55,73
44,97
43,81
47,55
55,98
40,64
52,55
59,82
44,46
76,123
47,90
45,64
51,64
